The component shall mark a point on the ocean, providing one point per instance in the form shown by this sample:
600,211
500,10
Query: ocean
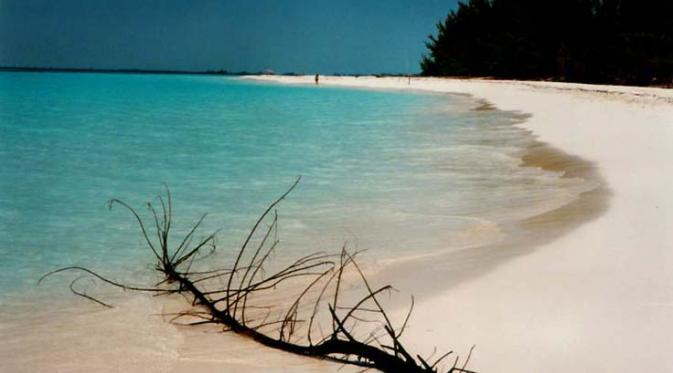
389,172
396,174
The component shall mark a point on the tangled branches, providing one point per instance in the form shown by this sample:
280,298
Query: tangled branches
228,296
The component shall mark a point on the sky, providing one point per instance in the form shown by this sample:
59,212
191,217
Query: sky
310,36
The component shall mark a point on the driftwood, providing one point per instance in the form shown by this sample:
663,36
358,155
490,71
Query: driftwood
229,303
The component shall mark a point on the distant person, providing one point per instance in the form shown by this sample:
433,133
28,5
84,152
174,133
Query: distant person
317,79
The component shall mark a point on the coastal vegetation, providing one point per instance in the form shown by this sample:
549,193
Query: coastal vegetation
595,41
316,322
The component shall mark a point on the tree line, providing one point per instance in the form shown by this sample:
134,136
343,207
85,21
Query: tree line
595,41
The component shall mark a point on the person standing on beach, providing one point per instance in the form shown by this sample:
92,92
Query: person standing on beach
317,79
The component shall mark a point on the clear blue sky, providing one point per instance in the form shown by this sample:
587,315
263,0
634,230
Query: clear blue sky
326,36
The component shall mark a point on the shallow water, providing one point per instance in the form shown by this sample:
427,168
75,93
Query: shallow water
397,174
394,173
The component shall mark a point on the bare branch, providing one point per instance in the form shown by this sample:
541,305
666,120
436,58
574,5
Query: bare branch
213,303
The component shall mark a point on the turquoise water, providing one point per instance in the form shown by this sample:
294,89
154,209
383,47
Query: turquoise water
394,173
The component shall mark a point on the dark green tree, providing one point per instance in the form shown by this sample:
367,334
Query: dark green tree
599,41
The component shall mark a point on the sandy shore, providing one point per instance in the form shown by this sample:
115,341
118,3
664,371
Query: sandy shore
597,298
587,287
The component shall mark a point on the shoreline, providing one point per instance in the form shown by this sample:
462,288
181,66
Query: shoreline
416,274
598,295
585,282
515,238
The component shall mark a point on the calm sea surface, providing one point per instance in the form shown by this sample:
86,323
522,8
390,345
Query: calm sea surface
394,173
397,174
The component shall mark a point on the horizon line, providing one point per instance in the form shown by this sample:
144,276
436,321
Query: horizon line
222,72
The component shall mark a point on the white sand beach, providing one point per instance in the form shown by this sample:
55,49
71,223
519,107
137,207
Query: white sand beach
598,298
587,287
313,186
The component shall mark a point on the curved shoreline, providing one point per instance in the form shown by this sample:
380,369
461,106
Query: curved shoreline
412,274
600,297
585,284
428,275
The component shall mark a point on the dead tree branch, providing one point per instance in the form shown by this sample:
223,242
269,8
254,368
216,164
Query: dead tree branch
229,304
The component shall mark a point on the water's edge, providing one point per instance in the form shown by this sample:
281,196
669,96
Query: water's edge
424,276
